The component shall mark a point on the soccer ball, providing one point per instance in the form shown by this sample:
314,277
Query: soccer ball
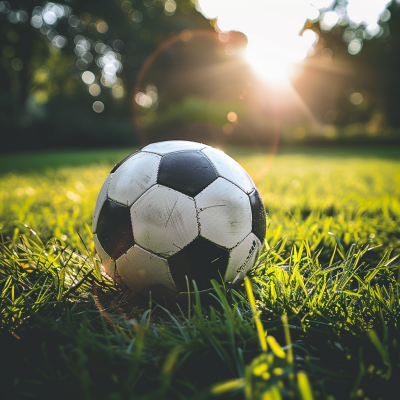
174,212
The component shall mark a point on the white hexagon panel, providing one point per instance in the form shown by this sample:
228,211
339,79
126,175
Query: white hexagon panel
106,260
134,177
101,198
144,272
164,220
224,213
229,169
242,257
172,146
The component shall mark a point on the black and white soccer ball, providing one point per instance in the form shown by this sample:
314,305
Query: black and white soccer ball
174,212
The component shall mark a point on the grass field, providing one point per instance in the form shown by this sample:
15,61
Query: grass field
328,275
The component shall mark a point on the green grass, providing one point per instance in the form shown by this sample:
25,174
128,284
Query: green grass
329,266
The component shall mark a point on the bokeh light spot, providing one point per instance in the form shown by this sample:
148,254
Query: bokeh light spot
152,12
328,20
118,45
94,89
227,129
230,49
169,7
148,100
73,21
81,64
232,117
101,26
41,96
330,131
59,41
98,107
385,16
126,6
17,64
224,36
22,16
330,116
49,17
88,77
86,18
143,100
12,16
326,56
295,183
36,21
136,16
354,47
29,191
186,35
356,98
4,6
118,92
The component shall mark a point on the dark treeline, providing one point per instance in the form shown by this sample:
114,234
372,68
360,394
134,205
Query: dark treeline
185,89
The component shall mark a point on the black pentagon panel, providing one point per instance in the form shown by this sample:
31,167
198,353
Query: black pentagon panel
188,172
259,223
116,166
200,261
114,229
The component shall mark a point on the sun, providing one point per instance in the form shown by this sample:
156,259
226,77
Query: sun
272,56
270,67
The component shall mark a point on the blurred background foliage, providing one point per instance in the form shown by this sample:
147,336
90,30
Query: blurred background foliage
86,73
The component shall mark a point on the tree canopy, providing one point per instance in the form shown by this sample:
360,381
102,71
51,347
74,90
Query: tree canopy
74,71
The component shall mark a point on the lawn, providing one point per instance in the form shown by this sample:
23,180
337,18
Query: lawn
328,278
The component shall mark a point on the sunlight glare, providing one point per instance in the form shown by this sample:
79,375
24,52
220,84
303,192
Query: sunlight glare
273,27
272,46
